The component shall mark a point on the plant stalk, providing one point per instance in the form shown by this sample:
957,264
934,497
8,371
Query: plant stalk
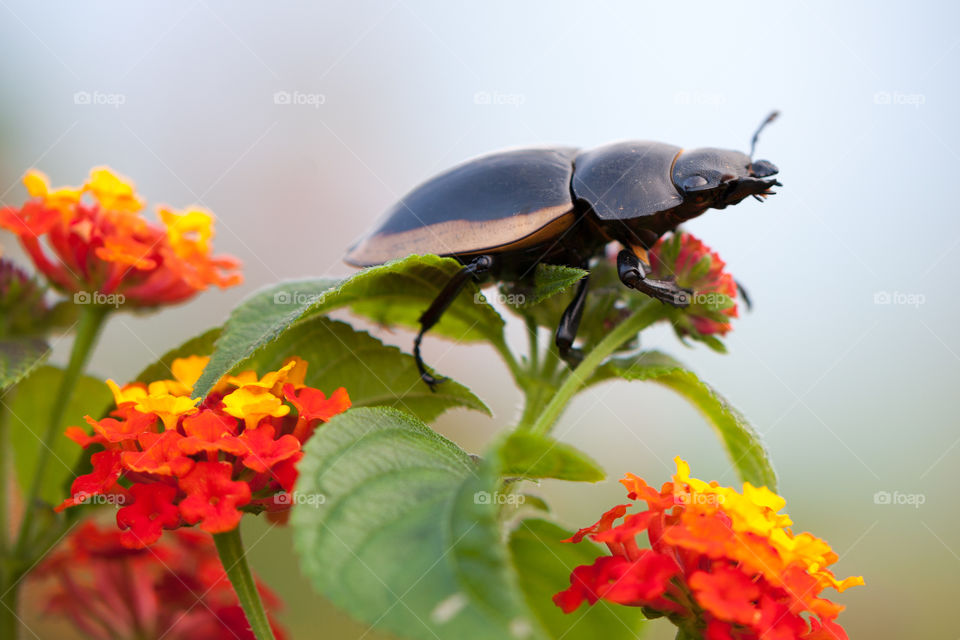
574,380
88,330
234,561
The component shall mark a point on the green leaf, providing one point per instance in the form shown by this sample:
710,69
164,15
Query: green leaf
398,293
544,564
403,538
18,356
200,345
548,281
529,455
373,374
257,321
742,443
393,293
29,412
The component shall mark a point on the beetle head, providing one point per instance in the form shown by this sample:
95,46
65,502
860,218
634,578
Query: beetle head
718,177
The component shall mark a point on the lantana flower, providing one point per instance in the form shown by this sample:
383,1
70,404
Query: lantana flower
172,460
176,590
693,265
93,242
721,564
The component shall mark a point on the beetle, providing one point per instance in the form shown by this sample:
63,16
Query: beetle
501,214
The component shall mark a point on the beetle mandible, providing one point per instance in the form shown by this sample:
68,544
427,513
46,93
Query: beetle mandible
502,214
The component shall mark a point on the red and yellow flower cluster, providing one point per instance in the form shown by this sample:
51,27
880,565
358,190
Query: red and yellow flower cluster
183,461
693,265
176,590
722,565
101,245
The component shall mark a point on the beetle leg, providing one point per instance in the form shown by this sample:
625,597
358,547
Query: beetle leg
569,323
746,296
441,303
633,273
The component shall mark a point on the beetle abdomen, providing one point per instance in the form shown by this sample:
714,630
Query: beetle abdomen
489,203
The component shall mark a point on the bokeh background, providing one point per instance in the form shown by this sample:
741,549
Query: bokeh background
297,123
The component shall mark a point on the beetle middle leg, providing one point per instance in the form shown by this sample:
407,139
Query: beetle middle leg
633,273
569,323
430,317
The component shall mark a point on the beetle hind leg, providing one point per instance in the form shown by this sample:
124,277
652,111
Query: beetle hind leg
440,304
633,273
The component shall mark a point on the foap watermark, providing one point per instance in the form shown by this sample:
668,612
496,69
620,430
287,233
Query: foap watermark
99,99
296,497
115,499
700,499
914,500
101,299
709,299
295,297
513,299
700,98
299,99
485,497
914,100
497,98
901,298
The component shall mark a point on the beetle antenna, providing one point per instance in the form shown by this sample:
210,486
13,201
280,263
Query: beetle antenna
770,118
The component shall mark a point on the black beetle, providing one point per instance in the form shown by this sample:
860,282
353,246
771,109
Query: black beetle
502,214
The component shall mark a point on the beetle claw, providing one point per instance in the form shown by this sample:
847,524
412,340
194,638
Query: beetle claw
432,381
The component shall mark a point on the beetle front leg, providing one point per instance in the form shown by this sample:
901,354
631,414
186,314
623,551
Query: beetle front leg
444,299
633,273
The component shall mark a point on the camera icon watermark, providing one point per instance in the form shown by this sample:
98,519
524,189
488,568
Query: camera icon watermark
485,497
295,298
115,300
299,98
899,298
497,98
289,499
915,500
99,98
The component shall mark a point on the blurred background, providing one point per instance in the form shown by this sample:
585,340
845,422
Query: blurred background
298,123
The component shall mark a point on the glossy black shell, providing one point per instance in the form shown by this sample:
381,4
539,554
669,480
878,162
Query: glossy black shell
513,200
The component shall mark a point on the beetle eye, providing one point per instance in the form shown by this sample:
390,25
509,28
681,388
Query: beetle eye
693,182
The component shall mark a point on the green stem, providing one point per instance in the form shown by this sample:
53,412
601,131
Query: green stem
9,622
234,561
574,381
5,484
91,322
8,593
533,334
516,370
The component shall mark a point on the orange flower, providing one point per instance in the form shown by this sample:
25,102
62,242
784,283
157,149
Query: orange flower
203,464
722,564
101,246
